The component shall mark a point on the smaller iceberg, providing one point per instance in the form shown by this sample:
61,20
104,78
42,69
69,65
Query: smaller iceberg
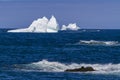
42,25
70,27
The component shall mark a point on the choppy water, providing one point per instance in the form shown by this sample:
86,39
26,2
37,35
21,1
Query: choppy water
35,56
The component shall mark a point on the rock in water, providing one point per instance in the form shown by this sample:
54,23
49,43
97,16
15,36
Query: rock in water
82,69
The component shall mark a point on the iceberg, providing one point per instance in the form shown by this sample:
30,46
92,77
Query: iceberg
41,25
70,27
45,25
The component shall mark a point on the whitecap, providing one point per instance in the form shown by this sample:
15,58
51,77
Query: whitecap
47,66
95,42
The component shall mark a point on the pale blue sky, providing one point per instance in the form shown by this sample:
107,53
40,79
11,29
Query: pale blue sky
86,13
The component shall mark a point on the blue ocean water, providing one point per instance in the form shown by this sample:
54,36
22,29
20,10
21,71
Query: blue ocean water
43,56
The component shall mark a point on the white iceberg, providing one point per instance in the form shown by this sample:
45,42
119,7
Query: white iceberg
70,27
42,25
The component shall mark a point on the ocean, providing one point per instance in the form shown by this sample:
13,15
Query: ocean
46,56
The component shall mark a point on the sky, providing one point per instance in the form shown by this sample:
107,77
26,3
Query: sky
88,14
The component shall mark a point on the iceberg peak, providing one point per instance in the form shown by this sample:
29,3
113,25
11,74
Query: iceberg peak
52,24
45,17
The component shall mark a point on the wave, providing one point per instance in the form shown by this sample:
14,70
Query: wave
47,66
94,42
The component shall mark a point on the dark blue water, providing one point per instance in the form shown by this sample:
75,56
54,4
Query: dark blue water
43,56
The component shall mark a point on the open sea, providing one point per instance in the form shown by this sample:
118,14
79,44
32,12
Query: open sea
46,56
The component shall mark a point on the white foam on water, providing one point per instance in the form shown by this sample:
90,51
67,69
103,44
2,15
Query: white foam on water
94,42
47,66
